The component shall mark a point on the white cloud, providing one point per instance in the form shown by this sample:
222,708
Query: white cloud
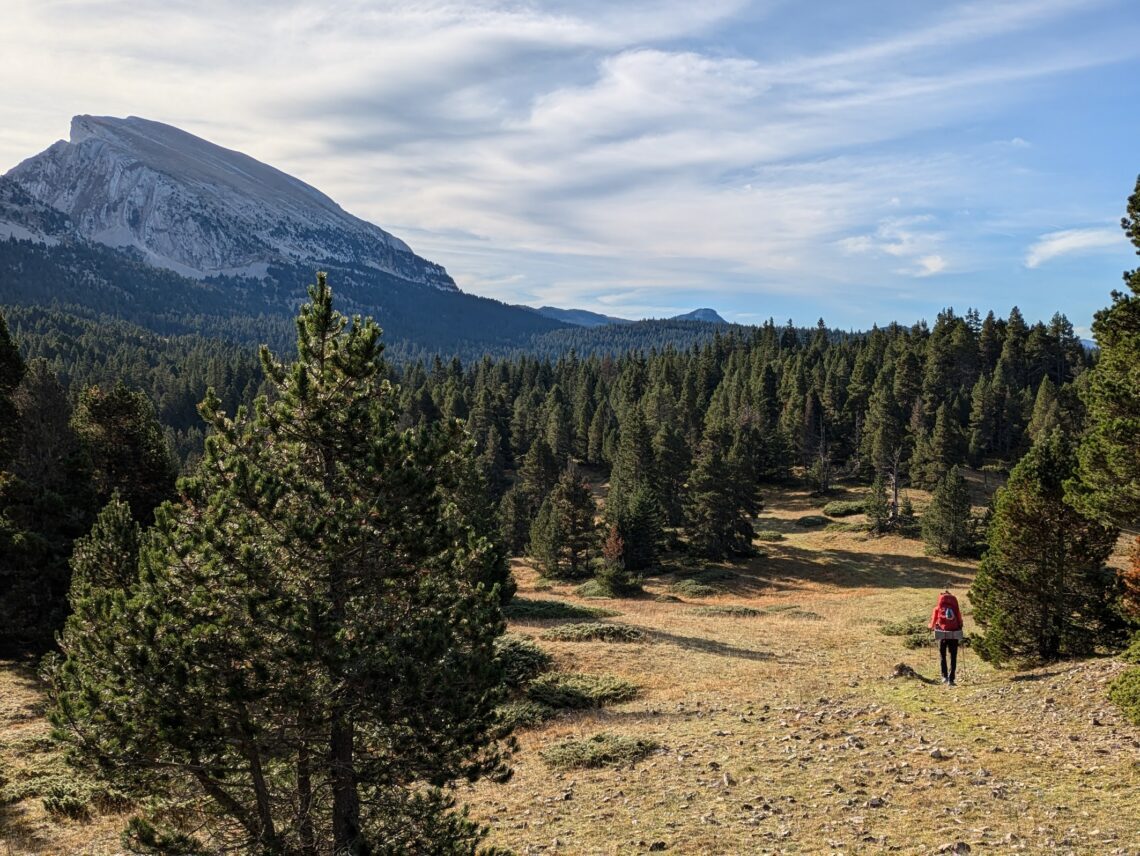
1070,242
930,265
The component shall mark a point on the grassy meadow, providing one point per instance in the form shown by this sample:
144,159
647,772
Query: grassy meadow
772,715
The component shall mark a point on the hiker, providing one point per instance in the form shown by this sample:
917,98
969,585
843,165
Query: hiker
946,622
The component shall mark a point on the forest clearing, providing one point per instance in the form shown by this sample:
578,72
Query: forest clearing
777,720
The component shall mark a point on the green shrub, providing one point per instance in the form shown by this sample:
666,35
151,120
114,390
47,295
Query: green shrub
521,659
843,508
732,610
523,609
811,520
906,627
601,750
62,801
847,526
790,610
1124,692
595,588
1131,654
913,630
692,588
592,631
524,713
572,691
769,535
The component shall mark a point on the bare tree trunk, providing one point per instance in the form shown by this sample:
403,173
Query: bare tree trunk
346,801
305,797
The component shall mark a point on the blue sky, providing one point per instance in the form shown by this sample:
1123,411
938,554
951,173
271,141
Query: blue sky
859,161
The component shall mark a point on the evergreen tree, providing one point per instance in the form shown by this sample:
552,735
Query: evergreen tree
305,652
547,539
634,466
124,441
1107,482
716,523
1042,590
563,534
515,518
946,523
45,504
539,473
672,461
1046,412
878,506
639,525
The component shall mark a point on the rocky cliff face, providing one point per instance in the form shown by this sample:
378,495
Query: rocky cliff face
197,208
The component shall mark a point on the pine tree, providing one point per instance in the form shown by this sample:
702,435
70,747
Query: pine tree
547,539
563,535
878,506
716,524
672,461
124,441
1046,412
45,504
946,523
639,525
635,464
305,653
539,473
515,518
1042,590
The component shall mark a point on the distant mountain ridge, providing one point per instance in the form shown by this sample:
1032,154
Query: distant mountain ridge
202,210
584,318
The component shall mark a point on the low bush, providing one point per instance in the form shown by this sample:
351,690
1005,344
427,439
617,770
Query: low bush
913,630
769,535
601,750
843,508
521,659
573,691
1124,692
692,588
811,520
524,609
595,631
906,627
847,526
732,611
524,713
1131,654
596,588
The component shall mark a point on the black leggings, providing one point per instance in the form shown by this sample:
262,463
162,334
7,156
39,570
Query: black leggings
952,645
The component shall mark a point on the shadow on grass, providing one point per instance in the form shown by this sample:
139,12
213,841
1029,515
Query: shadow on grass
1038,676
711,646
785,565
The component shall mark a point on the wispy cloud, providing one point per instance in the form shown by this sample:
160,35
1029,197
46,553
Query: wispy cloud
1072,242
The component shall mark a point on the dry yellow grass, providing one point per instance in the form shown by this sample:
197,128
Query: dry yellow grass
783,732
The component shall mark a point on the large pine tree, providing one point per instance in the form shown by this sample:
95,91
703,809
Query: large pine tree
1043,590
1107,483
304,652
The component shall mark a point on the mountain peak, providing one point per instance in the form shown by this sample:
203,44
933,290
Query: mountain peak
195,207
702,314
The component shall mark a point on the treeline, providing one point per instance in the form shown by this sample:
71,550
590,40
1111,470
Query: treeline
691,433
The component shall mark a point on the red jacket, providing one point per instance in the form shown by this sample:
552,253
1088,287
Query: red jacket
947,615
